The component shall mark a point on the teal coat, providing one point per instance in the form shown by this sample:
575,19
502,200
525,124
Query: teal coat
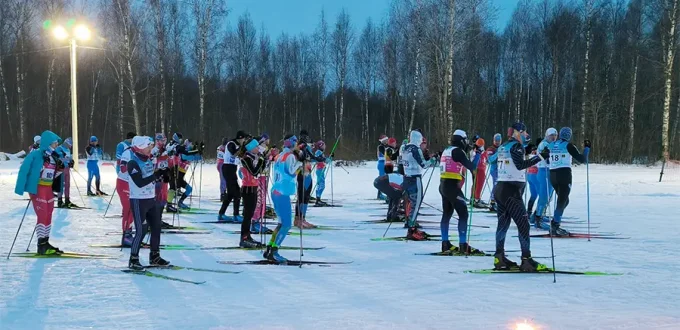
29,172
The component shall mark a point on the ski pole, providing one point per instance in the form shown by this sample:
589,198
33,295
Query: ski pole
110,200
332,193
30,240
200,184
343,168
18,229
552,246
78,189
392,210
588,195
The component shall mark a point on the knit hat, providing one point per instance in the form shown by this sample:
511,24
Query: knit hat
392,142
480,142
36,139
252,144
93,139
550,131
383,138
241,135
290,141
519,126
68,142
263,137
141,142
565,133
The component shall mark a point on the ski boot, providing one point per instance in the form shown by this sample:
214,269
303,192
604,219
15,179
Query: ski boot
223,218
237,218
300,222
134,263
448,248
320,203
156,260
466,249
165,225
247,242
183,206
555,230
223,197
492,206
268,253
480,204
170,208
415,234
60,203
276,257
256,227
68,204
529,265
500,262
101,193
126,240
45,248
91,194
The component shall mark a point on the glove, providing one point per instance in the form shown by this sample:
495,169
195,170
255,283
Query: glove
71,163
586,144
332,155
545,153
433,162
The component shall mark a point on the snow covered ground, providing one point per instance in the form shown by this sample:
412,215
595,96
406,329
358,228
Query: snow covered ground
386,286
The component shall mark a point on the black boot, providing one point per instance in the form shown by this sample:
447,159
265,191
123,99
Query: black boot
268,253
45,248
134,263
465,248
530,265
60,203
156,260
447,247
555,229
500,262
68,204
249,243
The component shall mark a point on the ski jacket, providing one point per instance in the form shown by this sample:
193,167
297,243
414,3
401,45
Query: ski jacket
31,168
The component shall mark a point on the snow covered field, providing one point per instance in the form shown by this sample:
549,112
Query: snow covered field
386,286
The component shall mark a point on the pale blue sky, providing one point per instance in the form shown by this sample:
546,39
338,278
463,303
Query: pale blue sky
296,16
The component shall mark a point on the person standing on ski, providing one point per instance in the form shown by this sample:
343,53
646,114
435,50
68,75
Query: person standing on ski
229,168
480,173
162,165
121,147
561,153
142,183
532,179
193,153
304,181
285,167
64,153
252,164
94,155
512,167
269,155
492,157
35,177
414,164
320,147
177,149
454,162
381,157
220,162
400,162
545,189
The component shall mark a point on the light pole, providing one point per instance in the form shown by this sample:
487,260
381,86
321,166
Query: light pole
79,32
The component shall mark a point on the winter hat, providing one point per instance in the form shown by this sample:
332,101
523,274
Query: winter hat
241,135
159,137
263,137
68,142
565,133
550,131
130,135
392,142
252,144
519,126
36,139
480,143
459,138
177,137
93,139
383,138
497,137
141,142
289,141
320,145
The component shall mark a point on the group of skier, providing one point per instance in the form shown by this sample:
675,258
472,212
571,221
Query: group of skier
546,166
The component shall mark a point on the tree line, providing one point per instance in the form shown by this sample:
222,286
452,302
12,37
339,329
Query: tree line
606,68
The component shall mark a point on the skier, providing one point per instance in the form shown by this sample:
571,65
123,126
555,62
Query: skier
35,177
390,185
454,162
285,166
64,153
532,179
142,200
231,163
35,145
544,188
391,154
94,155
492,157
381,157
560,155
414,163
304,181
220,161
183,163
480,173
177,149
252,164
122,146
269,155
508,195
320,147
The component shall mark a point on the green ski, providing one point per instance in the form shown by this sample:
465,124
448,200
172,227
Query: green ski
65,255
548,271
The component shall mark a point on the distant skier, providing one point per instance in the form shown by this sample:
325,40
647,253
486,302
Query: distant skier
35,177
381,157
220,162
532,178
545,189
143,201
454,162
161,161
252,164
304,180
229,168
508,194
285,167
64,153
263,185
492,157
319,148
400,161
560,155
391,154
122,146
180,152
480,172
94,155
35,145
390,184
414,163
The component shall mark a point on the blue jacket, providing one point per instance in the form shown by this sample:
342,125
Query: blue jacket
29,172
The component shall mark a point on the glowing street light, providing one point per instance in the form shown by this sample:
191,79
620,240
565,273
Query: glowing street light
79,32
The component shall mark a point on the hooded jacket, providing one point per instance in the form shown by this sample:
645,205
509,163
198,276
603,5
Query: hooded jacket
413,159
29,172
